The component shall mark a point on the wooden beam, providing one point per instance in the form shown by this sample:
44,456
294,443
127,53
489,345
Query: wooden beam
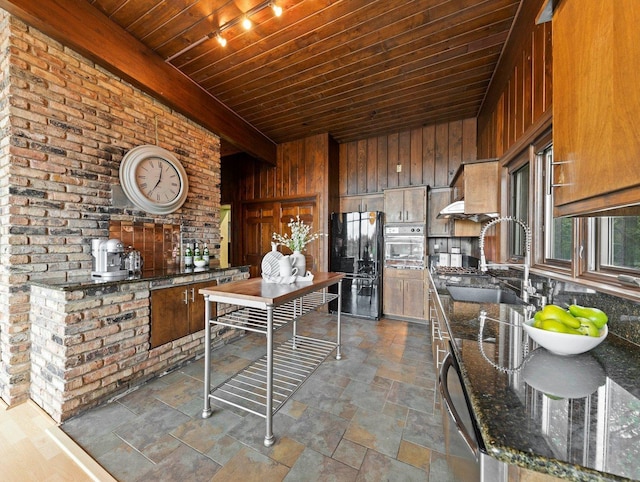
78,25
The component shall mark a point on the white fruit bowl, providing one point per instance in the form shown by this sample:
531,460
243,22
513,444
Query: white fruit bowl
200,263
564,343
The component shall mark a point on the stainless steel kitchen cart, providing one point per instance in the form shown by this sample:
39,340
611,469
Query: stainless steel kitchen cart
257,306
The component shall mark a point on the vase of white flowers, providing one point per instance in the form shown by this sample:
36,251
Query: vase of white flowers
301,235
300,262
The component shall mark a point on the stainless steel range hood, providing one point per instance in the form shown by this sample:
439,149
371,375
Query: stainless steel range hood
455,210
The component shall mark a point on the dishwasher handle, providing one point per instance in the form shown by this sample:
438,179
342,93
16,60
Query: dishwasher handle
448,403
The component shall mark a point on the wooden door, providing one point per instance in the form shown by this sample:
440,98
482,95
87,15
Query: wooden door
306,209
261,220
259,224
169,315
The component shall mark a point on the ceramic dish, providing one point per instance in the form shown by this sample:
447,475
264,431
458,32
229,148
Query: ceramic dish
270,263
563,343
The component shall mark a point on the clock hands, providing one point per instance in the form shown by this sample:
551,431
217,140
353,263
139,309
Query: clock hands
157,183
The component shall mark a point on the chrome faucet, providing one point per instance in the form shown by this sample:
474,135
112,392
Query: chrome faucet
527,288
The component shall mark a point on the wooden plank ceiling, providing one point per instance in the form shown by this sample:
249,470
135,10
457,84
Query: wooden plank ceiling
353,68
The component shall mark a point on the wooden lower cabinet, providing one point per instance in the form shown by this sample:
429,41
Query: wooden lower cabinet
404,293
177,312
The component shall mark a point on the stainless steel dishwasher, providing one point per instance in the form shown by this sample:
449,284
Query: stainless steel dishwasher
466,454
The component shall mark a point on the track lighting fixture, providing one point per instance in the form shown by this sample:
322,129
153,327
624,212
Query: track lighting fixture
244,19
277,10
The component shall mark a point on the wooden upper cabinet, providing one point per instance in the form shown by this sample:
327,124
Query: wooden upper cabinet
596,106
439,198
478,183
406,205
481,183
362,204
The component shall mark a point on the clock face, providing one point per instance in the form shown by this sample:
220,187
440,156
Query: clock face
153,179
158,180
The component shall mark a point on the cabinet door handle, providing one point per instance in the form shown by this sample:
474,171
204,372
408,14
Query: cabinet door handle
186,297
550,178
193,295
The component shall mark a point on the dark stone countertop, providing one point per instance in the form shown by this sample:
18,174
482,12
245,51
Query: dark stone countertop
73,283
588,431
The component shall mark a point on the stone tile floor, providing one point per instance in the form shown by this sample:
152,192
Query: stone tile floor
374,415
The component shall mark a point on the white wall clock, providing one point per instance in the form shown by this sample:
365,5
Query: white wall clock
153,179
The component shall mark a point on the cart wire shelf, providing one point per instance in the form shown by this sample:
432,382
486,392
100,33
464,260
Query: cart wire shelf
255,319
293,362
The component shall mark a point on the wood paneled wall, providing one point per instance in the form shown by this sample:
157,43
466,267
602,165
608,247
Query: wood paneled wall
300,170
519,98
426,155
304,168
521,92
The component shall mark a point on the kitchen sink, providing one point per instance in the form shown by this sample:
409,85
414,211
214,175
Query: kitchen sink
477,294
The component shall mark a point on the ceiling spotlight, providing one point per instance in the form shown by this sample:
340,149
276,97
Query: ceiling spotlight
277,9
246,23
221,40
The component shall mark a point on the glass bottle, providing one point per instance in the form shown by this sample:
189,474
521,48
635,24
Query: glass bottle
205,253
196,252
188,256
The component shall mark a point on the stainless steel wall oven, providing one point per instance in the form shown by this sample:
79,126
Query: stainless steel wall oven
404,246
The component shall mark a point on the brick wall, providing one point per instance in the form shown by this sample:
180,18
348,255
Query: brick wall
66,124
91,343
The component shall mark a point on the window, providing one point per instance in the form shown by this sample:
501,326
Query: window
558,244
619,247
519,208
592,249
611,245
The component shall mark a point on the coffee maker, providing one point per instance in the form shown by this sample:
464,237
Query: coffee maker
108,258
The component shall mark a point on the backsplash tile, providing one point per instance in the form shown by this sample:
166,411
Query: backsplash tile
156,242
624,314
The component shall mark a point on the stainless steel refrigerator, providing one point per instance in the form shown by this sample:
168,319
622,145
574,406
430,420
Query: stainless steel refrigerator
355,240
